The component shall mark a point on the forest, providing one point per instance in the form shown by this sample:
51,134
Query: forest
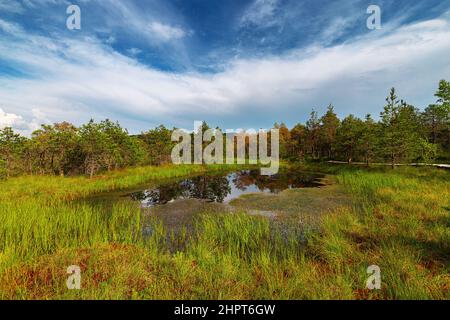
403,134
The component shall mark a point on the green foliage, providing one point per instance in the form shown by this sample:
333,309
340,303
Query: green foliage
429,151
402,135
369,139
313,135
439,118
349,136
11,147
298,142
399,128
435,119
54,148
443,94
104,145
159,144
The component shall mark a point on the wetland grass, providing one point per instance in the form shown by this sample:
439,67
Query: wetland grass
398,220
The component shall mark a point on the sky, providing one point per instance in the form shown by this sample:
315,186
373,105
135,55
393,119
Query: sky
233,63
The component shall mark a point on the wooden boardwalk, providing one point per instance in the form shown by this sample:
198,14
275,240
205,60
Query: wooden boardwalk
437,165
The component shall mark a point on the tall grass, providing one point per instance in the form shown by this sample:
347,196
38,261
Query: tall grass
38,216
399,222
31,229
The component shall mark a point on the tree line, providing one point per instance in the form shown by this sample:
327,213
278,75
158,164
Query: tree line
402,134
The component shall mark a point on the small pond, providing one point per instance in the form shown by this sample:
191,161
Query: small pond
222,188
176,202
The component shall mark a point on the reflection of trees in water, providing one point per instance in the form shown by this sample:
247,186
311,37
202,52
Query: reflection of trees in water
244,179
162,195
217,188
209,188
276,183
206,187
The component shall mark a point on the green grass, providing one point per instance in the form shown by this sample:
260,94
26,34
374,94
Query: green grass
38,214
70,188
398,220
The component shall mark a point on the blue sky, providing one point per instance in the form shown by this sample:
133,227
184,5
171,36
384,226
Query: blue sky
233,63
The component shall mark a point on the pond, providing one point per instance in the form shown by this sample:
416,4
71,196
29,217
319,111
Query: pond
222,188
287,198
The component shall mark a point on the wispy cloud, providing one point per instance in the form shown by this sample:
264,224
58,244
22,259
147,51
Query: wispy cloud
11,6
134,51
260,12
166,32
10,27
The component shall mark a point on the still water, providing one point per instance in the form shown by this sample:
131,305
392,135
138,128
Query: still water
225,187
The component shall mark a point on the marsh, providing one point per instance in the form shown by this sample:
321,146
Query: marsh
291,199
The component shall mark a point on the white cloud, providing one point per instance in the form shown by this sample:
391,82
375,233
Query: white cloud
144,23
134,51
10,27
19,124
166,32
10,119
336,28
260,12
79,79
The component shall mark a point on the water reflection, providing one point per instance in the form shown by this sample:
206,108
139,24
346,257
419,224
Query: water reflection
222,189
213,189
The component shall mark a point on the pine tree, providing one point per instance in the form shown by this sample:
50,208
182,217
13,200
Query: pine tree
443,109
313,129
330,124
369,139
349,137
399,130
298,139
